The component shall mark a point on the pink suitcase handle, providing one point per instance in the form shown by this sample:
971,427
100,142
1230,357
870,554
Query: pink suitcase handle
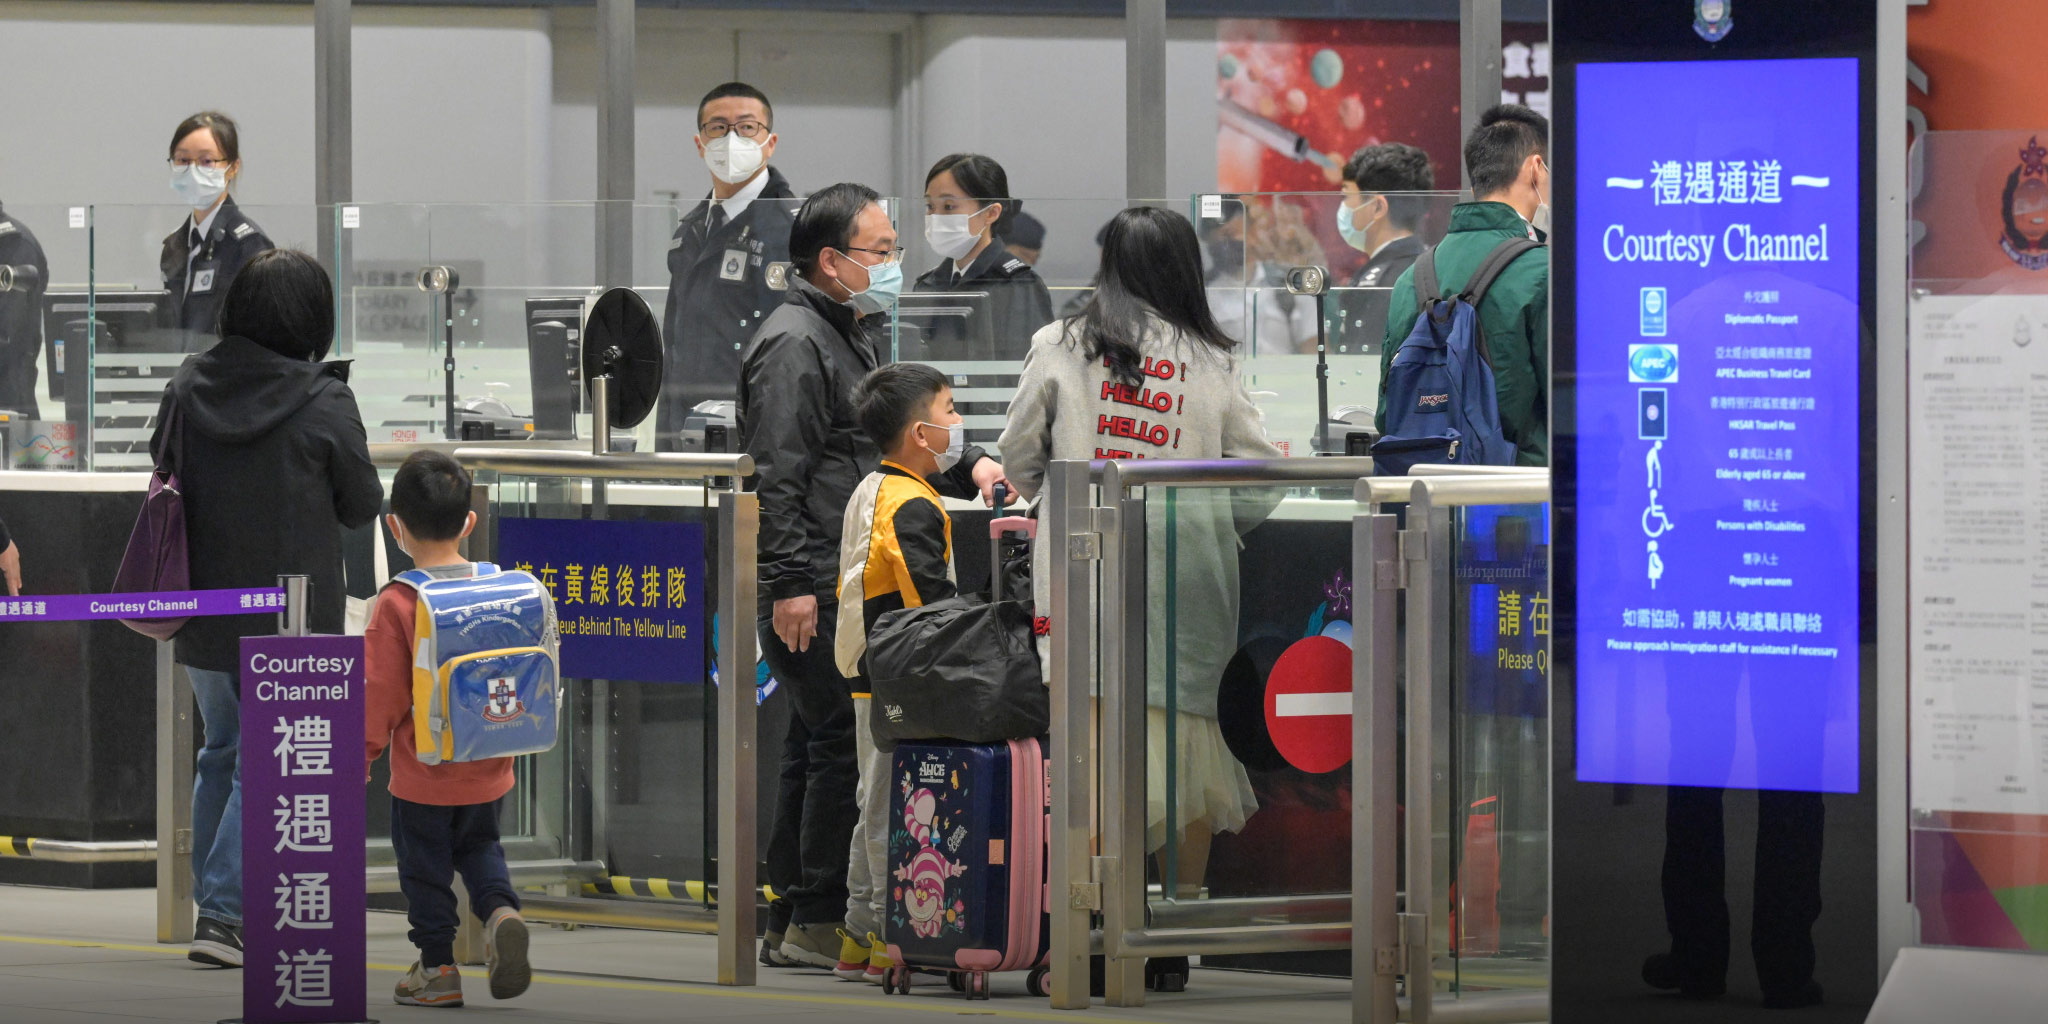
1013,524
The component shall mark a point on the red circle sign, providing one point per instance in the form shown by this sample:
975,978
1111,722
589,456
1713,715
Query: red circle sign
1308,704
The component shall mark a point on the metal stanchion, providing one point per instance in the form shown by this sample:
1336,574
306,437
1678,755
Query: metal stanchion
739,517
174,768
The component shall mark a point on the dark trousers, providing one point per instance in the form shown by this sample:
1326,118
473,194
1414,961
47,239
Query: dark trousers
784,857
433,843
820,810
1786,902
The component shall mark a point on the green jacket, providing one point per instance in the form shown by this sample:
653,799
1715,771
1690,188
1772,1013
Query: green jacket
1515,316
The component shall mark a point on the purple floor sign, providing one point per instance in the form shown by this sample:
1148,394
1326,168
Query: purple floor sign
302,833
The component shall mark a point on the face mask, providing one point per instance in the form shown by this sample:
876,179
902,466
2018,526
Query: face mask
1541,221
733,158
956,444
199,186
950,234
885,282
1353,236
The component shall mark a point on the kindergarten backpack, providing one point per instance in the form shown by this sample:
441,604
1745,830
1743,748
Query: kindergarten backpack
1439,392
485,678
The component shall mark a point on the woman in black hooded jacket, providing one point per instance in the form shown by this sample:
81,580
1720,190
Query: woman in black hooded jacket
268,444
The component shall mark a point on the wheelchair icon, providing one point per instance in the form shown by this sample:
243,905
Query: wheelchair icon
1655,522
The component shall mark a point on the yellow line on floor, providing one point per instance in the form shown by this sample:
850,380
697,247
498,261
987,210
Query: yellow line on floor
951,1006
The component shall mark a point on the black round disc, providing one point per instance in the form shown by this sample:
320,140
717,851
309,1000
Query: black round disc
622,339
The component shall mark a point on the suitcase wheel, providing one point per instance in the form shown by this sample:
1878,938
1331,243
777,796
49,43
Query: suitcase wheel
956,980
1035,982
896,979
977,985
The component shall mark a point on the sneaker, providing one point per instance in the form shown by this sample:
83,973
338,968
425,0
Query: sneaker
812,945
505,939
771,951
878,960
215,944
853,958
438,986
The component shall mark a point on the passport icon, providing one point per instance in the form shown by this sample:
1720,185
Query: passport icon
1655,312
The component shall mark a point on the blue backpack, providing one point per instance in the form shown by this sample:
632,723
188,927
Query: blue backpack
1439,392
485,675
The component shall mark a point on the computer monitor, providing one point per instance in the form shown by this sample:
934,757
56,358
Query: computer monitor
554,347
137,355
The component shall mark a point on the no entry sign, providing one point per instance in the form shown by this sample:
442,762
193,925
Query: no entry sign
1308,704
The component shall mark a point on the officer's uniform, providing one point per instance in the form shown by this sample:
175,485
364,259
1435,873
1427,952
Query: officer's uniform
1358,319
998,325
21,318
718,295
197,271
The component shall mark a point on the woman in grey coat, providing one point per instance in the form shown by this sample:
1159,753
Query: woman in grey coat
1143,371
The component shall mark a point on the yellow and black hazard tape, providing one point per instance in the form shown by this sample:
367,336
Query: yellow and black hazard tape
15,846
658,889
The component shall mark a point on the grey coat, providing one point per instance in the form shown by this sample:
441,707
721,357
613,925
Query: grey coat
1192,405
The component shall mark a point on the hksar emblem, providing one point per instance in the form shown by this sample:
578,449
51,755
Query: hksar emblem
1713,19
2025,209
504,704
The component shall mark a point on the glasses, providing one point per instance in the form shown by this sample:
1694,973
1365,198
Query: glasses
888,255
205,161
718,129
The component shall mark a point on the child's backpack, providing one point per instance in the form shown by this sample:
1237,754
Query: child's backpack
485,676
1439,392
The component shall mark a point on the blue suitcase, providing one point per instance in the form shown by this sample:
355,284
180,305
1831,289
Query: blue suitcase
967,842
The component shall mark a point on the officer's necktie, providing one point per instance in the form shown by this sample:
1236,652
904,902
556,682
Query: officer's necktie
715,221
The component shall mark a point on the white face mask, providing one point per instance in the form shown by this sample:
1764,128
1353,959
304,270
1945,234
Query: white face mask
956,444
199,186
1541,221
950,234
1347,225
733,158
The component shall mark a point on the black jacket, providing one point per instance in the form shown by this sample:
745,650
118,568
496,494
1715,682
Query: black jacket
717,298
1358,316
274,464
230,244
998,326
796,420
21,318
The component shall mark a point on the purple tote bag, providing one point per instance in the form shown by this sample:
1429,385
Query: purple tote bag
156,558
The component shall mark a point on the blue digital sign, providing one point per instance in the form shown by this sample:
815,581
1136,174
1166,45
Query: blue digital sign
1718,351
629,595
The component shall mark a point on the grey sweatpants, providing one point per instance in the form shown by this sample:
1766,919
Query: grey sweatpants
867,866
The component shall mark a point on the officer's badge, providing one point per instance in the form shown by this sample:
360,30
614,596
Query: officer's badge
2025,209
1713,19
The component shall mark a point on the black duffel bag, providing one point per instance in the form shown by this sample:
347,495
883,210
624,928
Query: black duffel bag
965,668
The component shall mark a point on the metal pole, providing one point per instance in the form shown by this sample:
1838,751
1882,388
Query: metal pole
333,121
298,591
174,768
1074,890
739,523
1123,743
1145,99
1375,928
1478,64
615,143
1421,544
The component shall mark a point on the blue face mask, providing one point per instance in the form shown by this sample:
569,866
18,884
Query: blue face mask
885,283
1353,236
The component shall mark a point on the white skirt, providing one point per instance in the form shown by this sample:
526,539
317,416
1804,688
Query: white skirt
1210,785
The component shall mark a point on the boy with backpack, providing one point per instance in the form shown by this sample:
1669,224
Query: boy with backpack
1476,371
896,552
444,791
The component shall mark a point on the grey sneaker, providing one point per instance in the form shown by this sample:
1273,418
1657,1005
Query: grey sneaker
771,951
440,987
510,972
813,945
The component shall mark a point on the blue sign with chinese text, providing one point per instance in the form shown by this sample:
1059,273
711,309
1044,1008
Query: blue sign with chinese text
629,595
1717,218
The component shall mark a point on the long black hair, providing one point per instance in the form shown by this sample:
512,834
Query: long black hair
1151,268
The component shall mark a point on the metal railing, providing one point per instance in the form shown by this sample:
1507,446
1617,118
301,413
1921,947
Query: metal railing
738,519
1109,531
1392,562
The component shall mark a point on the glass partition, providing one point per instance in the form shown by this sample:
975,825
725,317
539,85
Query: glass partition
1979,771
1249,243
152,298
45,269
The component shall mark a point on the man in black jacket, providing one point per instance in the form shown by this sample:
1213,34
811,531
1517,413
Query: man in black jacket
796,419
718,292
21,316
1382,211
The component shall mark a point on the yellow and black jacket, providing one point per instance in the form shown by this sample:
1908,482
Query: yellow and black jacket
896,552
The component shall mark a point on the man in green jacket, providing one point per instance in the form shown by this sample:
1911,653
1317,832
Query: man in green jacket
1506,159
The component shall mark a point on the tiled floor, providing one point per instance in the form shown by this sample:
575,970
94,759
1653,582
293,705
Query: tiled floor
70,957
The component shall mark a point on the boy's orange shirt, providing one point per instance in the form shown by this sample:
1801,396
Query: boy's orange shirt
387,666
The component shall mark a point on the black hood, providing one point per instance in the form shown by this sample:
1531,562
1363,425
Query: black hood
238,391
